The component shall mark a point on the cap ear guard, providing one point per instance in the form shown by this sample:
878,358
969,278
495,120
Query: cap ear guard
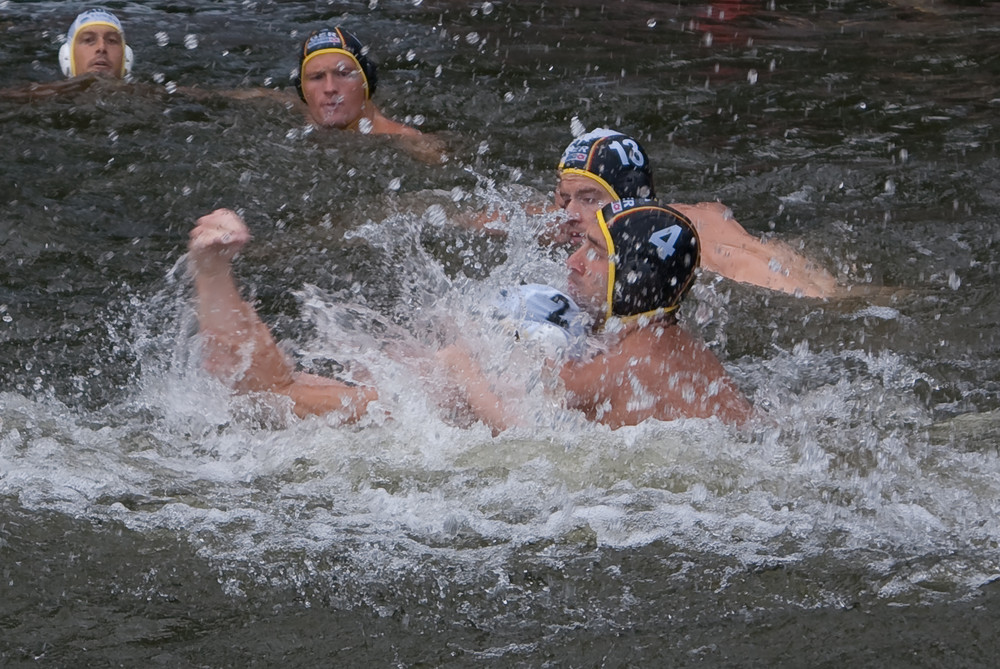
65,59
127,61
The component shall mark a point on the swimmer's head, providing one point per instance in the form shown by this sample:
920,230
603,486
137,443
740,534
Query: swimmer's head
652,254
541,315
337,41
95,43
614,160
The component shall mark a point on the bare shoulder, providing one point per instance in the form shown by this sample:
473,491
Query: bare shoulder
682,377
383,125
660,372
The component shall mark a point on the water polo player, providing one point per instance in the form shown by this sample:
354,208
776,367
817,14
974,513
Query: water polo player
604,165
641,265
336,79
95,43
630,274
646,365
596,168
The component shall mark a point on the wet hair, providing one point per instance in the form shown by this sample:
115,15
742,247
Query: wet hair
614,160
653,251
337,40
100,17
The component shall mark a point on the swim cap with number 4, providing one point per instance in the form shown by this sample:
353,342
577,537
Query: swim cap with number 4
614,160
652,254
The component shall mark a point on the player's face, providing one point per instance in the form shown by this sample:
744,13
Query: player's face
588,273
334,89
581,198
98,49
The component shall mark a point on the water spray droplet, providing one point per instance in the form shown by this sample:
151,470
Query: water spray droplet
954,282
472,38
487,8
190,41
651,23
395,184
162,39
576,127
508,97
752,76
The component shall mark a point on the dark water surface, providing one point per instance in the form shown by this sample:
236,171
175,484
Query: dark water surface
148,518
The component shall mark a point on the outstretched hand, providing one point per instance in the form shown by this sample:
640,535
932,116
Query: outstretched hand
216,239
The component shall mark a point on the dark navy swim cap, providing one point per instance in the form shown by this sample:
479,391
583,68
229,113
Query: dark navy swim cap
337,40
653,252
614,160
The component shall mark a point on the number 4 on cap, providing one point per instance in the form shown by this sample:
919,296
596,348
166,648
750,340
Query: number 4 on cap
665,241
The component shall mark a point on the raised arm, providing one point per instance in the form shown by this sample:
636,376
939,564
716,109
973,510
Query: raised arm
238,348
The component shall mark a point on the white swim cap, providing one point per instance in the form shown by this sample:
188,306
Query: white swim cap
542,315
97,16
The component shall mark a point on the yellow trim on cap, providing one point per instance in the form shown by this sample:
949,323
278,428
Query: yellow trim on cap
652,315
611,263
344,52
76,36
590,175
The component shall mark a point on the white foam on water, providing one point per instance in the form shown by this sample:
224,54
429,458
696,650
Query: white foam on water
838,463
